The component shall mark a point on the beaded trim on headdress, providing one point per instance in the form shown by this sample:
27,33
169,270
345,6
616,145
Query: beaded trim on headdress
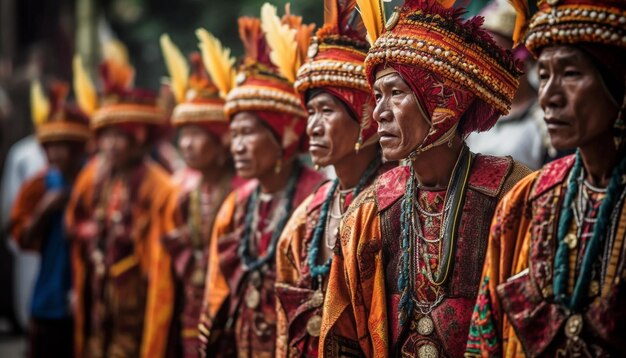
322,73
336,53
422,33
570,22
54,120
121,113
263,98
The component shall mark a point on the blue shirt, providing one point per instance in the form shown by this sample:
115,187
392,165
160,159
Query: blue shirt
54,282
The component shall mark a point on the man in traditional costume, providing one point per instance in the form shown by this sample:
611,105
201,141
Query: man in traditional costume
203,141
553,282
333,87
267,127
36,221
122,277
413,244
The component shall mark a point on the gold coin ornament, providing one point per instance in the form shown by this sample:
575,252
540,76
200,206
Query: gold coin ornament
425,326
314,325
428,350
574,326
317,300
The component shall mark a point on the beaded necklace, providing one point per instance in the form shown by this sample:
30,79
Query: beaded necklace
313,251
453,203
251,263
592,250
202,211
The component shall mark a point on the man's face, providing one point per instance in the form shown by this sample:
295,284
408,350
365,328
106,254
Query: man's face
401,126
578,109
331,129
254,148
198,147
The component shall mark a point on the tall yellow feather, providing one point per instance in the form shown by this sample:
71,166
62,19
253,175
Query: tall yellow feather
115,50
217,60
282,42
373,16
521,21
177,67
39,104
84,89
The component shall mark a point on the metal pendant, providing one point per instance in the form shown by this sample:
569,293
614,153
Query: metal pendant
314,325
428,350
393,21
253,298
197,277
317,300
573,326
425,326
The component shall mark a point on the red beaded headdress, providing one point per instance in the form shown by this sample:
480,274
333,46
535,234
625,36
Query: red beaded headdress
198,98
335,64
55,120
572,22
274,49
454,67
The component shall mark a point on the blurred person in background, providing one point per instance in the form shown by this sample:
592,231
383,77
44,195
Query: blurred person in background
122,274
37,218
203,142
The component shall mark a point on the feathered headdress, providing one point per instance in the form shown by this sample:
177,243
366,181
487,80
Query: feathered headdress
176,66
281,39
274,48
217,61
84,88
121,103
197,96
39,104
373,15
335,64
54,119
115,70
521,21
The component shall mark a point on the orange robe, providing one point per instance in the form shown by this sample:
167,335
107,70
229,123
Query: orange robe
515,313
189,253
150,195
221,334
31,192
360,312
295,287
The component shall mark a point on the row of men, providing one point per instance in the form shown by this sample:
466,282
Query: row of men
450,253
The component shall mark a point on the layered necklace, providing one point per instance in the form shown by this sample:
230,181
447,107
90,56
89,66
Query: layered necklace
253,263
593,247
320,271
412,250
202,211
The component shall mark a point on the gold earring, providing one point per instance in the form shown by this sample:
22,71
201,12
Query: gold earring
279,166
359,143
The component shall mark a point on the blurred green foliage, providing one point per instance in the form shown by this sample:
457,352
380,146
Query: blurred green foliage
139,23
